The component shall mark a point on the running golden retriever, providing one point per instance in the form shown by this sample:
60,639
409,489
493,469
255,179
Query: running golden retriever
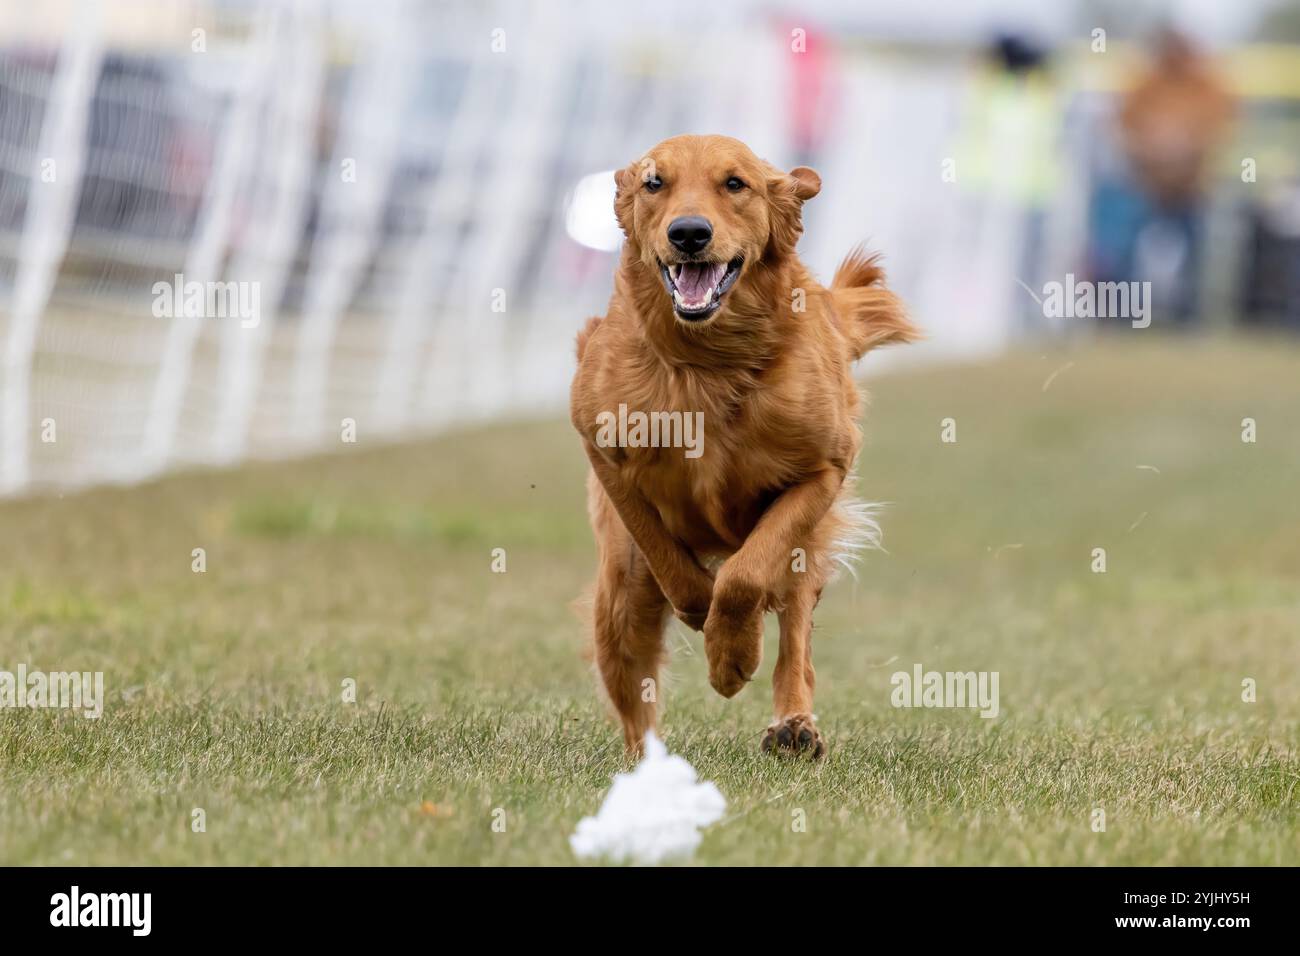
717,407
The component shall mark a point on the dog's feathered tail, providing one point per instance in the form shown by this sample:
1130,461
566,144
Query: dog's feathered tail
869,314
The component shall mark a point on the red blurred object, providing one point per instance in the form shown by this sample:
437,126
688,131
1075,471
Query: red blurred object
814,88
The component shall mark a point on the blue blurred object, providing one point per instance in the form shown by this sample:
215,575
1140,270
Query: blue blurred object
1133,239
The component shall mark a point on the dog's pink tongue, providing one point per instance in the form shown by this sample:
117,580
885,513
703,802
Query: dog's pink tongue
696,279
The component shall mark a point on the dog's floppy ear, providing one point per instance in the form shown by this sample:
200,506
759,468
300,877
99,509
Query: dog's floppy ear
626,182
787,192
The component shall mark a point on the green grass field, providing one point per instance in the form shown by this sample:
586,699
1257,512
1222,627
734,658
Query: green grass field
1120,691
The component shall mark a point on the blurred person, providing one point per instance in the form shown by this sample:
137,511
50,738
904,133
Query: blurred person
813,94
813,91
1148,219
1270,281
1007,153
1268,291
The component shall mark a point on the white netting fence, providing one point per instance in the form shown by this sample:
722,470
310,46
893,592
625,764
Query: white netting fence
225,228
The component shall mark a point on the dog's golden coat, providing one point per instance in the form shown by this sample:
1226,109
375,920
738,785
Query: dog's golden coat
770,370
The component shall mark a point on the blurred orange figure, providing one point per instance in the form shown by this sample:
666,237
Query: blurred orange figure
1148,221
1172,120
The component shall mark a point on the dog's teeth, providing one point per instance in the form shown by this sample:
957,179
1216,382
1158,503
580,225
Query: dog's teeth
677,297
709,294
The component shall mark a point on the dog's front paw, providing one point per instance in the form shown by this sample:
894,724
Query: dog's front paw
796,735
733,638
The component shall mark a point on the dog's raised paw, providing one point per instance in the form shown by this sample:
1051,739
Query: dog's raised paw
796,735
729,679
733,659
733,642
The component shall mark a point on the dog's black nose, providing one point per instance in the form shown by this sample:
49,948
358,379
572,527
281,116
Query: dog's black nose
690,234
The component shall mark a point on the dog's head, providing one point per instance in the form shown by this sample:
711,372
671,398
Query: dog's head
702,212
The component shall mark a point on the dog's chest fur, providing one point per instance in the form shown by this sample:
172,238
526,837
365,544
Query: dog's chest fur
758,438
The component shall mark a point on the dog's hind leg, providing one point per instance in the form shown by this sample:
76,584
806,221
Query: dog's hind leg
629,616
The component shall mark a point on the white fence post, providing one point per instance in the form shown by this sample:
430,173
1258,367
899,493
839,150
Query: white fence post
276,230
51,211
352,212
207,248
414,321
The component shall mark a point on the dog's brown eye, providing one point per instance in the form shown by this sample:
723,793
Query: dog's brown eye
653,184
735,184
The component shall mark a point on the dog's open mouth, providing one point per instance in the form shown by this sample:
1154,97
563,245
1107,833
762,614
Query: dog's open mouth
697,288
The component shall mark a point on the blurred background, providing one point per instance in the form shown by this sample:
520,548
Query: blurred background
414,198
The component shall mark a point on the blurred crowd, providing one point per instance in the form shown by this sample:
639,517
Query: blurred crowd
1157,168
